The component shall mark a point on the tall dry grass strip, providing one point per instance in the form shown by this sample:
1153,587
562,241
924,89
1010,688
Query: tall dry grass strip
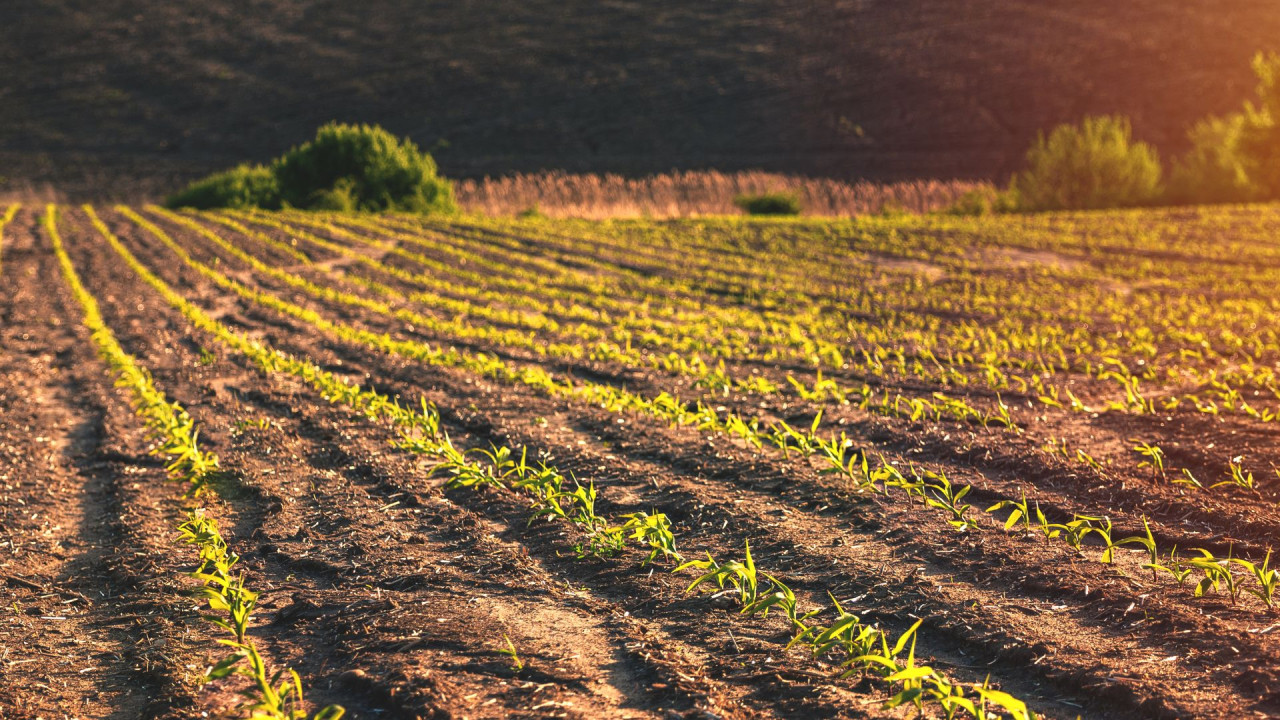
685,194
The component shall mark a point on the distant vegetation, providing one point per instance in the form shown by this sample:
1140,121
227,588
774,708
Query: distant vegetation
694,193
982,200
1096,164
773,203
1093,165
346,167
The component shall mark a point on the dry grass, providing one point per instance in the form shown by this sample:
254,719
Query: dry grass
686,194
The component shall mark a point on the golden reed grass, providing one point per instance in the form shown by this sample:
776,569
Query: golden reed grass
684,194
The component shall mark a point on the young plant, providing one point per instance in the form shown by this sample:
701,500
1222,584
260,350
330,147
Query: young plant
1148,542
845,633
1188,480
1267,579
508,648
1021,511
942,494
1216,573
1154,458
653,530
1047,530
741,575
1239,476
1174,568
989,696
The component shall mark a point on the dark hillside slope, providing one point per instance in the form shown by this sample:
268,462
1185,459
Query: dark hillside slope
110,96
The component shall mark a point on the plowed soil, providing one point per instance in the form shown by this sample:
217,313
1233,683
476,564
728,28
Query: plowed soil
391,595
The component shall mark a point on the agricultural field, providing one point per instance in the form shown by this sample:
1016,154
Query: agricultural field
1009,466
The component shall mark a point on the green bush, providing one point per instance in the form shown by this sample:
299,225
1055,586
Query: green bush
242,187
371,166
1215,169
981,201
775,203
1260,131
1089,166
339,198
891,209
346,168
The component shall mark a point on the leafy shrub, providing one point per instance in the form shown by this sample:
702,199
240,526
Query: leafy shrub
1216,169
242,187
981,201
774,203
339,198
369,165
1089,166
1260,131
892,209
346,167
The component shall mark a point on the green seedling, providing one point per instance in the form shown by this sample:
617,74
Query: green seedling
1148,542
846,633
508,648
888,477
1217,573
740,575
779,596
1020,511
885,660
1188,480
1174,568
1087,459
948,696
989,696
1102,527
1048,531
1239,476
843,459
1154,458
943,495
1266,578
653,530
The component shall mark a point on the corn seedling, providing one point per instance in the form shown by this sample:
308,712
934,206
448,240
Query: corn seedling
508,648
1154,458
1048,531
942,494
1019,511
847,634
1174,568
1217,573
740,575
1188,480
1148,542
1239,477
779,596
1266,578
990,697
653,530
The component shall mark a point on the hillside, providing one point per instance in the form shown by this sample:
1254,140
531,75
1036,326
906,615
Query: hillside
129,95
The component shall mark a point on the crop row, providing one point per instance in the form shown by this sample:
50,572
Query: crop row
274,696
